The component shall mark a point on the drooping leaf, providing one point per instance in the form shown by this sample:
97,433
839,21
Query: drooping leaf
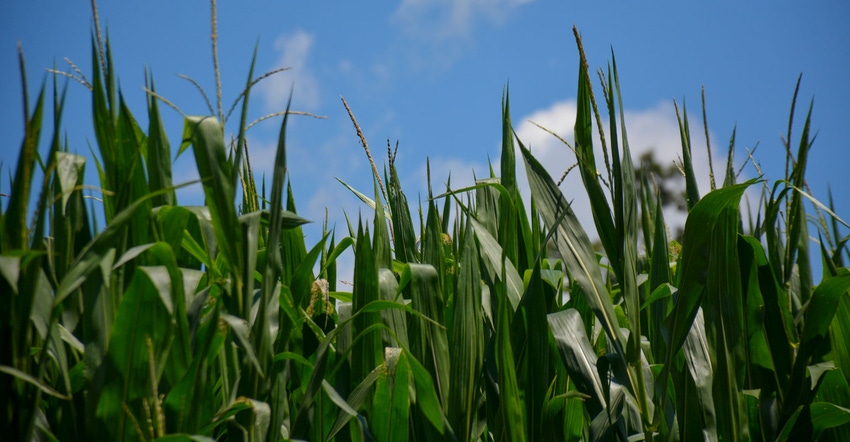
578,356
696,253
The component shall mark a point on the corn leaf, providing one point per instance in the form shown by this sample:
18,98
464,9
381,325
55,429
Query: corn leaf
466,345
574,246
392,407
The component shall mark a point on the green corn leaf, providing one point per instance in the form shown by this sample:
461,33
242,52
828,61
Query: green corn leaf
839,335
530,326
780,328
832,388
142,317
15,218
10,269
133,185
434,249
508,157
194,386
191,246
208,145
368,350
382,305
69,174
392,401
158,158
578,356
466,345
234,408
369,201
494,259
302,278
104,130
696,253
574,246
131,254
292,246
355,400
691,188
821,310
810,420
393,318
241,331
507,230
659,278
608,423
171,223
699,416
184,438
249,226
241,144
404,238
626,216
381,236
173,297
511,410
723,308
583,130
14,372
99,246
69,218
428,341
758,349
711,277
797,235
730,177
427,396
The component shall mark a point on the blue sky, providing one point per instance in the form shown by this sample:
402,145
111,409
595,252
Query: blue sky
430,74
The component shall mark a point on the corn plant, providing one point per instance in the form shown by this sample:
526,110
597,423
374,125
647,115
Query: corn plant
485,319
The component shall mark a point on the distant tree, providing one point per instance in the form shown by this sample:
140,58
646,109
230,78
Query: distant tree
667,180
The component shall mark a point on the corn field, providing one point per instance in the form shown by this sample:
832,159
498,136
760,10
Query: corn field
485,318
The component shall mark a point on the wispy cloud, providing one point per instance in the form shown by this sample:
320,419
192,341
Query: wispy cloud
449,19
293,52
440,30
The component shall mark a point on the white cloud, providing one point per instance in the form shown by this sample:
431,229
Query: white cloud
445,19
294,53
439,31
345,66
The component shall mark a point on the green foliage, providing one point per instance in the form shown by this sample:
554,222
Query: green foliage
501,323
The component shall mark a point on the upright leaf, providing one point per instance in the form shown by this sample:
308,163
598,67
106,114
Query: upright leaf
392,402
158,153
367,349
574,246
691,188
511,410
466,346
208,144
